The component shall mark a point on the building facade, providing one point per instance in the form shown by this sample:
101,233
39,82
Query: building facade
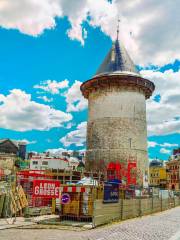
157,174
44,163
13,147
117,128
10,151
173,171
7,162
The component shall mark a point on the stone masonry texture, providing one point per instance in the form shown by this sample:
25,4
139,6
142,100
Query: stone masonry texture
117,129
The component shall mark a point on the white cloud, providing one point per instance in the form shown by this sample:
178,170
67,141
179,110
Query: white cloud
18,112
155,26
164,116
73,96
77,33
29,16
100,13
52,86
165,151
74,99
152,144
169,145
76,137
151,159
164,128
56,151
70,125
45,98
27,142
59,151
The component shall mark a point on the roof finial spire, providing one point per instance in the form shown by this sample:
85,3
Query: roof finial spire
118,29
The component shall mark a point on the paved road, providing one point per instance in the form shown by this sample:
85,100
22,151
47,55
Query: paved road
161,226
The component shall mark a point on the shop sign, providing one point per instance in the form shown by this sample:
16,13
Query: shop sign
111,192
46,188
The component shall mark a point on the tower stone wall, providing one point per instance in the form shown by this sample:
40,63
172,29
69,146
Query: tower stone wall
117,130
117,127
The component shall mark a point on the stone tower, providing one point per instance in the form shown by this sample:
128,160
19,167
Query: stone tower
117,129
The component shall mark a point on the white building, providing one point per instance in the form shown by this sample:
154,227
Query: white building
41,162
73,163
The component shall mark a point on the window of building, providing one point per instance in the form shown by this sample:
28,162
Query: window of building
44,163
35,162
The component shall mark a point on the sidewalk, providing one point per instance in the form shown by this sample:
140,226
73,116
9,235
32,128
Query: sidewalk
6,223
176,236
159,226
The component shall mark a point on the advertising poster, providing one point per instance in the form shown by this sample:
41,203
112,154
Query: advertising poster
46,188
111,192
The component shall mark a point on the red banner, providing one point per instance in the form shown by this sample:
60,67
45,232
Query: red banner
46,188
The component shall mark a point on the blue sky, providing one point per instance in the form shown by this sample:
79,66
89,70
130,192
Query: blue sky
26,61
43,64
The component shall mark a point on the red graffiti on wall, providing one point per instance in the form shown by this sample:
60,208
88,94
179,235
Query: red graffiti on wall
120,171
1,172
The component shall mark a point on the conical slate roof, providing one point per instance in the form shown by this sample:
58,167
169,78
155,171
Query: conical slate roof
117,61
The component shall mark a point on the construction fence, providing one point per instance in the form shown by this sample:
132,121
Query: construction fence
95,203
131,208
12,200
36,205
87,204
77,202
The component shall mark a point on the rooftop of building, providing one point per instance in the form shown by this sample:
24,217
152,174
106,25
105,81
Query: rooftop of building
15,142
118,70
156,163
173,161
50,158
117,62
